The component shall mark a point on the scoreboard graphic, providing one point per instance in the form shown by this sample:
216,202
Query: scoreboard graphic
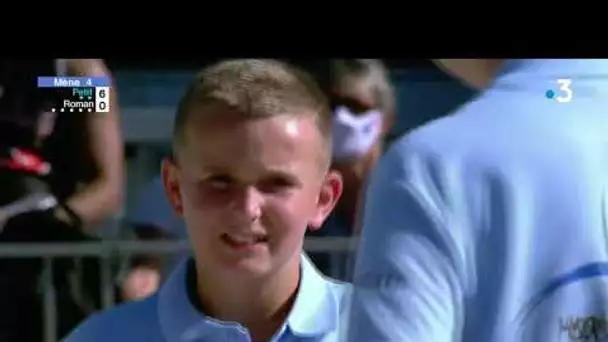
78,94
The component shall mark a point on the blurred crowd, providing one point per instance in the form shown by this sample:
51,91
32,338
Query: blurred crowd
102,171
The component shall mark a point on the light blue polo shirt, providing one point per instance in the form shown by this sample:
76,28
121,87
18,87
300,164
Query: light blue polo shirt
170,316
491,225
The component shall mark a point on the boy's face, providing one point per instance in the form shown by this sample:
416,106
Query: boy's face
248,189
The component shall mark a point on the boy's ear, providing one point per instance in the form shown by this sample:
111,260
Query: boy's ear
170,177
329,194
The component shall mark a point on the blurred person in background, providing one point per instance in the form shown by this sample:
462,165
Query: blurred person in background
60,172
363,101
490,224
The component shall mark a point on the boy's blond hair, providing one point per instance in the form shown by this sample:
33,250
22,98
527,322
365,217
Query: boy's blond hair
256,88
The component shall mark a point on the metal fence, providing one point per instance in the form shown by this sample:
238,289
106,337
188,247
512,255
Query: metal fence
107,251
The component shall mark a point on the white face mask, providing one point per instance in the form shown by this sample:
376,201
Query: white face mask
354,135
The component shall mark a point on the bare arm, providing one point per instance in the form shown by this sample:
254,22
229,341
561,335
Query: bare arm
104,195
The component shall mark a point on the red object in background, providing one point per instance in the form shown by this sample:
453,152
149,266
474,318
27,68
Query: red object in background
22,160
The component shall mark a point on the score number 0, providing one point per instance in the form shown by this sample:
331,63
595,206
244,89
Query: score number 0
102,99
564,87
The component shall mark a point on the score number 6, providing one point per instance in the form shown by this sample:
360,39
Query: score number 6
564,86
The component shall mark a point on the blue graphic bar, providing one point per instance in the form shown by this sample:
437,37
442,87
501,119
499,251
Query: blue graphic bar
60,82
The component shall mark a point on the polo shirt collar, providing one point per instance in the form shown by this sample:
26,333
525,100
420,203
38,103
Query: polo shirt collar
315,311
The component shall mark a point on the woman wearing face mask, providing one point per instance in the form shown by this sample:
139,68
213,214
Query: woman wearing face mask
363,102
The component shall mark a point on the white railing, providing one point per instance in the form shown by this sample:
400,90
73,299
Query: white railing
106,251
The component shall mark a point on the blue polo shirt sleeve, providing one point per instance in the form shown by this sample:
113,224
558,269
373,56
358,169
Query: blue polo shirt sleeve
408,282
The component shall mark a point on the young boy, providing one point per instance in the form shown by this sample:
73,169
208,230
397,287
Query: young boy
250,173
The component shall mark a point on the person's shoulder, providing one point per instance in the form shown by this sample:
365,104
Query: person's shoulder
475,133
429,164
456,127
133,321
498,129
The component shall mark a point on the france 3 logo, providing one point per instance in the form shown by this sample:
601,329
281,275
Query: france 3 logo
563,94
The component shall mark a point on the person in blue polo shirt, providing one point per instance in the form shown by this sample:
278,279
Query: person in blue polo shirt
250,174
490,225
